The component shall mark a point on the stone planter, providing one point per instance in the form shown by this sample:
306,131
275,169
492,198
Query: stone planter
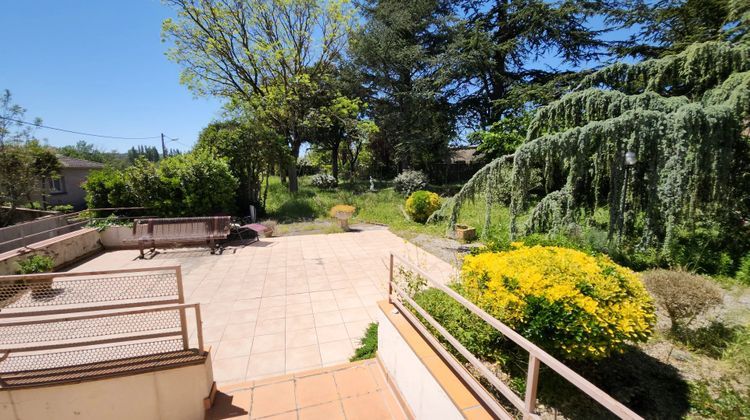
465,233
343,218
112,236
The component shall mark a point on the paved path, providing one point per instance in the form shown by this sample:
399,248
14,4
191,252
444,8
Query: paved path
350,391
285,304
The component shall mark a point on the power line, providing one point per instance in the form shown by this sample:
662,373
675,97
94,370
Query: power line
78,132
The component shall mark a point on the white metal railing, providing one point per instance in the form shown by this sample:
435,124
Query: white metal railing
537,356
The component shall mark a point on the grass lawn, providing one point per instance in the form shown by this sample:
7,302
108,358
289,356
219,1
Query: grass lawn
385,206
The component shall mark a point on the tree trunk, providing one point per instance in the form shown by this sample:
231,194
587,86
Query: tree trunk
335,160
292,173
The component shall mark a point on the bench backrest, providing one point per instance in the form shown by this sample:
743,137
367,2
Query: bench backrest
182,228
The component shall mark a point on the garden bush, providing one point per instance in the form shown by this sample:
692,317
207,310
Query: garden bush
743,273
193,184
323,181
36,264
574,305
683,295
421,204
409,181
342,208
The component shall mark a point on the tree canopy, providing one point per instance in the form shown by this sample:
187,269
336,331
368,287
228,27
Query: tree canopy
682,115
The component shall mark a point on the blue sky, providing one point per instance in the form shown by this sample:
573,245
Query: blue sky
99,67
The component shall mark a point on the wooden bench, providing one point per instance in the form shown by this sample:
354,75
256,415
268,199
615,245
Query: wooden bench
180,231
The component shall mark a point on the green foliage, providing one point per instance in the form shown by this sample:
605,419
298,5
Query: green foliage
24,170
504,136
324,181
193,184
36,264
250,149
368,344
421,204
111,220
479,337
150,153
409,181
87,151
578,143
63,208
573,305
743,273
724,403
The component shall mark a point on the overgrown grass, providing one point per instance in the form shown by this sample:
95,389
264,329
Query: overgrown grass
369,344
385,206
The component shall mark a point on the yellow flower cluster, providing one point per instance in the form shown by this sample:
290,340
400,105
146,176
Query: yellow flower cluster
342,208
571,303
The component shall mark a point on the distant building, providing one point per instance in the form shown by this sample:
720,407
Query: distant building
458,166
67,188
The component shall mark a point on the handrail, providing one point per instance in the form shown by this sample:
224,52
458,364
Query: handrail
536,354
110,339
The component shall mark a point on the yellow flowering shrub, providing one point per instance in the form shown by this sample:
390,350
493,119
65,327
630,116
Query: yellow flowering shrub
342,208
421,204
572,304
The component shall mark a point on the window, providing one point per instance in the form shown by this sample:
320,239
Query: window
57,185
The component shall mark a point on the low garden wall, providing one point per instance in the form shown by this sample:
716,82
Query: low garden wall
64,249
427,385
112,237
177,393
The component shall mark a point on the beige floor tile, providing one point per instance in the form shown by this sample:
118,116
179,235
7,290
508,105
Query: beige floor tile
238,331
300,322
300,358
267,343
270,326
273,399
354,314
323,319
234,348
301,338
325,305
298,309
265,364
336,351
272,313
356,330
331,333
230,370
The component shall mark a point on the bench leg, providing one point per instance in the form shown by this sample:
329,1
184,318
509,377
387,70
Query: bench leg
141,246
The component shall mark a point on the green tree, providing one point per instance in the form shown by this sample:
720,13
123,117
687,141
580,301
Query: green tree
261,54
151,153
24,170
682,116
669,26
251,151
12,130
398,56
497,46
504,136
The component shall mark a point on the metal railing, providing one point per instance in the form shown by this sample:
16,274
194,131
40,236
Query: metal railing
28,234
526,405
65,321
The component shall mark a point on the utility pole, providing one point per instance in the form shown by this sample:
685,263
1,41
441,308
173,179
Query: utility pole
163,147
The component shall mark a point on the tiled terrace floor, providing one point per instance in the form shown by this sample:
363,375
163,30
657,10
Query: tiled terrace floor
350,391
284,304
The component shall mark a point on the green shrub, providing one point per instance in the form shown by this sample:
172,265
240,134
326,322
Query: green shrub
724,403
324,181
368,344
683,295
479,337
409,181
743,273
701,248
36,264
421,204
63,208
572,304
193,184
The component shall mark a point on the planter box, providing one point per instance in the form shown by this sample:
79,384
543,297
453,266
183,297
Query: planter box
112,237
465,233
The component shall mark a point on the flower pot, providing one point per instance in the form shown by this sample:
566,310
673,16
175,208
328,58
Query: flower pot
343,219
465,233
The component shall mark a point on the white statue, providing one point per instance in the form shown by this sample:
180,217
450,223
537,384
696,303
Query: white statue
372,184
